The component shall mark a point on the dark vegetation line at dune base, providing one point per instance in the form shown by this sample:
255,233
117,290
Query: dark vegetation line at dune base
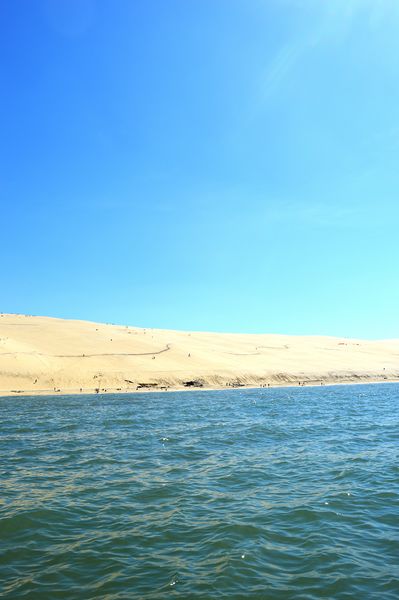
205,386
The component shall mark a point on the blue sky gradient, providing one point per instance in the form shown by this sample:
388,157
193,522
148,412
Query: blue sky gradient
217,165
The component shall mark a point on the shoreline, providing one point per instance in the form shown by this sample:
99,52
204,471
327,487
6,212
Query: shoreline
42,356
172,389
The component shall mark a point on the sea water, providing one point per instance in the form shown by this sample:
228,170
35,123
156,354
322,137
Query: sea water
262,494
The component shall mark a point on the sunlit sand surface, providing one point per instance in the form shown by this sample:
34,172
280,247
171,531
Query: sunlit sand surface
46,355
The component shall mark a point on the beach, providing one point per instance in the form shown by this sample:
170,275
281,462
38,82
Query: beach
43,355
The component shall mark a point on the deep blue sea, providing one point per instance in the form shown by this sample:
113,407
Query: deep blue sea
261,494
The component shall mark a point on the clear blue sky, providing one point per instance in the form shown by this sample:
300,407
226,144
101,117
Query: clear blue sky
202,164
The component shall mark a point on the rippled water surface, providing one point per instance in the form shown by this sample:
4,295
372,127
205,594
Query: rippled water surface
269,494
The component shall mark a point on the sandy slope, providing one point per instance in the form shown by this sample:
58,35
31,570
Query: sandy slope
40,354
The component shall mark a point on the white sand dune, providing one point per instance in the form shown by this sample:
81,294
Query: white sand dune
43,355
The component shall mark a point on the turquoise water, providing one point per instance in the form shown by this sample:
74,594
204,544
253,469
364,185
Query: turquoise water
261,494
